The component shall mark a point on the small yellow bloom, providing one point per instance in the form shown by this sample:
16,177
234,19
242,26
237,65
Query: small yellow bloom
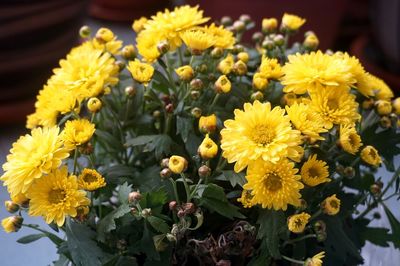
371,156
270,68
224,38
396,105
246,199
77,132
292,22
316,260
260,82
297,223
290,99
239,68
185,73
311,42
197,39
383,107
11,207
225,66
12,223
269,25
243,56
94,105
138,24
223,85
314,172
141,72
104,35
20,199
177,164
331,205
208,124
208,149
349,140
90,180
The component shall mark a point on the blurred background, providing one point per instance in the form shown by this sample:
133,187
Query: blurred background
35,34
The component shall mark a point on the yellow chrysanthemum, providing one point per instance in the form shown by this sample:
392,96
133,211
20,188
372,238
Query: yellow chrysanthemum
141,72
349,139
197,39
225,65
310,72
314,172
297,222
381,89
90,180
292,22
56,196
335,106
147,42
138,24
12,223
177,164
259,132
77,132
371,156
208,149
331,205
208,124
223,38
270,68
316,260
31,157
306,120
274,185
246,199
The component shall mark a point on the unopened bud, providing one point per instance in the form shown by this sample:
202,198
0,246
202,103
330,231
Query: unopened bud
104,35
368,104
202,68
169,108
303,205
146,212
195,95
163,47
239,26
257,37
240,68
349,172
134,211
130,91
11,207
189,208
172,205
279,40
238,48
196,112
156,114
245,18
268,44
164,163
340,169
383,107
243,56
86,148
226,21
94,105
311,42
85,31
257,96
128,52
321,236
375,189
165,173
181,213
319,226
134,196
204,171
12,223
196,84
269,25
217,52
385,122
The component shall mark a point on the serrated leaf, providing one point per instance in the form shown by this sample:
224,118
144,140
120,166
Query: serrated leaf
117,173
271,223
159,224
159,82
141,140
184,125
30,238
123,193
107,223
376,235
233,178
106,137
161,144
395,225
147,244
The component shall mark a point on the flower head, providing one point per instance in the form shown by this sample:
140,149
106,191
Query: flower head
56,196
316,260
349,139
270,68
31,157
246,199
77,132
298,222
208,149
223,38
292,22
90,180
141,72
177,164
371,156
381,89
185,73
331,205
208,124
383,107
260,81
138,24
225,65
259,132
274,185
94,105
269,25
12,223
197,39
147,42
314,172
223,85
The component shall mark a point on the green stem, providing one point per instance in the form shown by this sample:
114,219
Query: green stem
53,238
169,73
175,191
299,239
75,160
167,125
315,215
128,105
195,189
187,189
180,56
191,60
293,260
214,101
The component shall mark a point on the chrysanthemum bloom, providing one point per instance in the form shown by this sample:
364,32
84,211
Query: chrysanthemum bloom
371,156
94,105
274,185
31,157
314,172
208,149
20,199
335,106
246,199
270,68
12,223
56,196
383,107
185,73
292,22
260,81
225,65
177,164
141,72
147,42
396,105
310,72
303,118
224,38
269,25
381,89
138,24
331,205
243,56
77,132
106,41
316,260
208,124
197,39
90,180
223,85
259,132
297,223
349,139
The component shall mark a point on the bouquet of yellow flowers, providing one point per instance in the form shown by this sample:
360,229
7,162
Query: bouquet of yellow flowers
192,148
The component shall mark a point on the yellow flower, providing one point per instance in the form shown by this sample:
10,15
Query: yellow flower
147,42
246,199
316,260
396,105
381,89
56,196
269,25
290,99
243,56
113,46
12,223
104,35
240,68
331,205
223,38
90,180
94,105
260,82
197,39
31,157
306,120
185,73
270,68
335,106
383,107
314,172
11,207
225,66
177,164
274,185
141,72
349,140
292,22
310,72
208,124
259,132
138,24
297,223
20,199
208,149
371,156
223,85
77,132
311,42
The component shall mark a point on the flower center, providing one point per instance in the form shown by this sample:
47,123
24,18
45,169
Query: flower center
298,223
353,139
262,134
372,153
313,172
88,178
333,104
333,204
56,196
272,182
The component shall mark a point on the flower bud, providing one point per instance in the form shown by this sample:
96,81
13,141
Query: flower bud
371,156
107,90
311,42
208,124
164,163
130,91
238,48
243,56
396,105
269,25
134,211
12,223
257,37
383,107
86,148
375,189
196,112
146,212
385,122
279,40
319,226
94,105
85,31
165,173
82,213
104,35
21,200
257,96
163,47
268,44
331,205
368,104
181,213
245,18
128,52
349,172
239,68
196,84
202,68
156,114
222,85
177,164
171,237
239,26
291,23
225,66
321,236
207,149
260,82
226,21
185,73
217,52
138,25
204,171
189,208
340,169
212,77
169,108
195,95
134,196
172,205
11,207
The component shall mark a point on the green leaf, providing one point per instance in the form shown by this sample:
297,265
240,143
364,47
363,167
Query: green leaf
123,192
107,223
147,244
62,261
30,238
159,82
109,139
395,225
159,224
161,144
141,140
117,173
271,222
376,235
184,125
213,197
154,200
119,260
233,177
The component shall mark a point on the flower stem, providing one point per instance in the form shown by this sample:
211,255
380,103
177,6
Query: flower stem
187,189
75,160
175,190
315,215
194,190
293,260
299,239
214,101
